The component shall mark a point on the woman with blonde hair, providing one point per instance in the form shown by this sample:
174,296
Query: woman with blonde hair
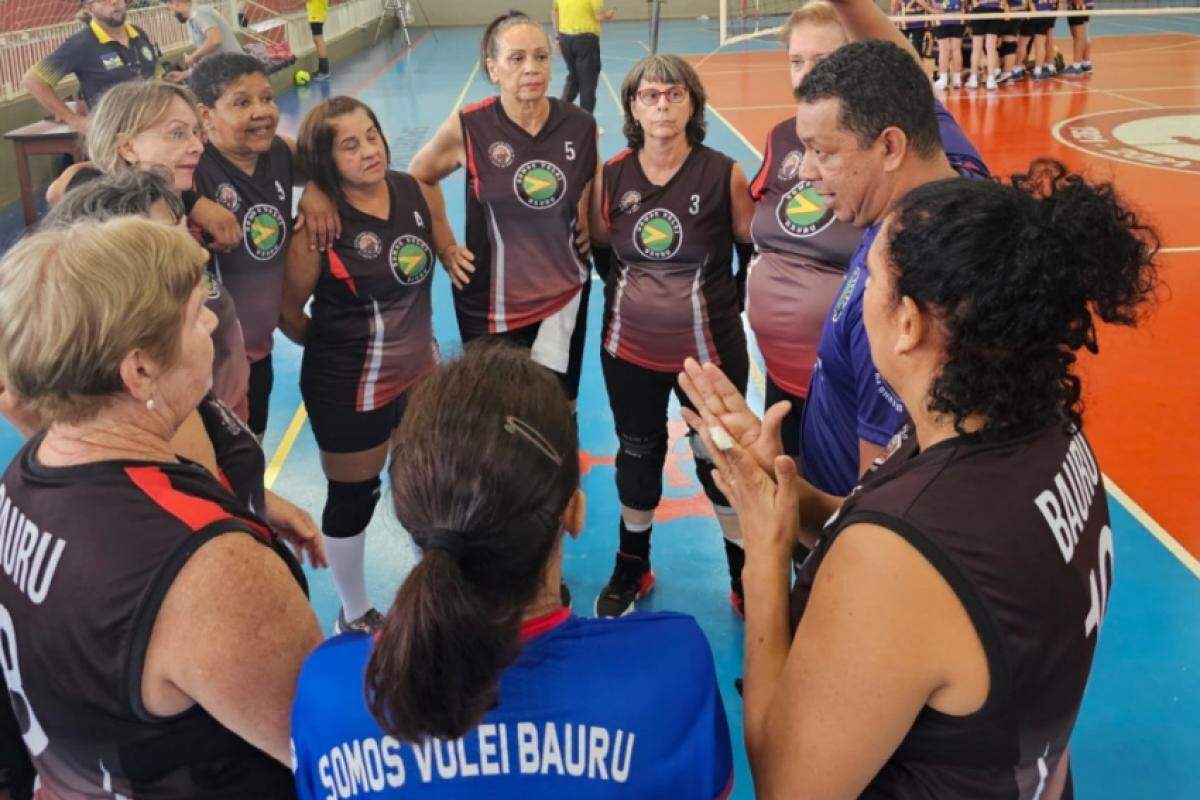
151,607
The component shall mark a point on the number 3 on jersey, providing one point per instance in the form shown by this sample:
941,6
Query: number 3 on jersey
32,731
694,207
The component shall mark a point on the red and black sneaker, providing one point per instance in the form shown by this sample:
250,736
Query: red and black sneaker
632,579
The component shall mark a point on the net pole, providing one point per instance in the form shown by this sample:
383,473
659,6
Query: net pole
655,17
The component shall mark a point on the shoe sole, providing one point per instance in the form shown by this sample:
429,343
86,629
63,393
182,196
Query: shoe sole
641,595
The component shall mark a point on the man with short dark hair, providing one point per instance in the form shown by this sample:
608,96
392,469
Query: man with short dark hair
108,51
872,131
209,30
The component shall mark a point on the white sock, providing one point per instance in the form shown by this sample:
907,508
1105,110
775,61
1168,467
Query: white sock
346,564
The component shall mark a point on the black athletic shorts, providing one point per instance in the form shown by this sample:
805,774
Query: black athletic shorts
949,32
988,27
262,378
316,28
526,337
1037,27
1011,27
791,423
919,40
1073,21
339,429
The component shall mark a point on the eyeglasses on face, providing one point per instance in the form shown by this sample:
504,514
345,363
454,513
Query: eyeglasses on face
649,97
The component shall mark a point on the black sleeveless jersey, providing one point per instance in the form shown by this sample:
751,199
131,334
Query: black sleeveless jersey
89,553
262,202
523,197
372,322
1019,530
241,462
672,292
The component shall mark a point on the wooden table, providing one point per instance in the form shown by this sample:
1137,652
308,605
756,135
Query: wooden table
43,138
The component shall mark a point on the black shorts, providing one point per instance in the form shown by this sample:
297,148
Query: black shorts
920,42
1011,27
988,27
791,423
1037,27
527,337
340,429
1075,21
262,378
317,28
949,32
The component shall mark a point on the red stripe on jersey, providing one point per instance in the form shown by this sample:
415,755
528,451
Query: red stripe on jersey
538,625
338,270
619,157
471,170
477,106
728,789
760,180
195,512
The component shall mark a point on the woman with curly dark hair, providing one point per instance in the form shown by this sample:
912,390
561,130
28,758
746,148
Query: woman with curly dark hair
945,624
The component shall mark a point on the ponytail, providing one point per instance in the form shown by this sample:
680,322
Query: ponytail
487,45
1015,274
484,469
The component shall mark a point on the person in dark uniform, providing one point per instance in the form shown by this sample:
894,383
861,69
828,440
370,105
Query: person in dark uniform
945,625
949,34
248,169
577,28
108,51
671,209
1081,44
523,274
151,608
478,652
801,248
370,337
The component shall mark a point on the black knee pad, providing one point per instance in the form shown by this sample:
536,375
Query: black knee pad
1007,49
349,507
704,470
640,461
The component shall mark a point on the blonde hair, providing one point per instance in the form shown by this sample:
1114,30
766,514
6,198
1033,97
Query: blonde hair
814,12
126,110
75,301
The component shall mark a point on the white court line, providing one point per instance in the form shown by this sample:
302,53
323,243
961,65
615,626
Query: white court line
466,87
1157,531
613,92
1169,250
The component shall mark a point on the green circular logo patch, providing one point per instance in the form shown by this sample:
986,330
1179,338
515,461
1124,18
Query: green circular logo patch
411,259
539,184
264,231
802,211
658,234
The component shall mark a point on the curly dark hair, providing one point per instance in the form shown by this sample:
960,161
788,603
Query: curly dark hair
212,76
1016,274
880,86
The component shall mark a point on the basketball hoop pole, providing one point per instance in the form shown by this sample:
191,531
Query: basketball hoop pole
655,12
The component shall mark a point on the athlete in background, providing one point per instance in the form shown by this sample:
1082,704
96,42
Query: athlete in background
370,337
481,684
671,209
523,274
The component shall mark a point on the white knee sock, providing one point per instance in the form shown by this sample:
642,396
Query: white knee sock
346,564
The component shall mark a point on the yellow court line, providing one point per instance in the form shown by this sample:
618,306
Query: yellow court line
1157,531
301,416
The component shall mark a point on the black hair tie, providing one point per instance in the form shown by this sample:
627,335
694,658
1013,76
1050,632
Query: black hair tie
448,541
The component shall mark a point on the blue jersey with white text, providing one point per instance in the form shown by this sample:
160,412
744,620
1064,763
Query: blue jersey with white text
592,708
848,400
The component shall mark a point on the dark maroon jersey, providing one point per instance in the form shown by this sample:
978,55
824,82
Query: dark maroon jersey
1019,529
231,369
372,324
240,460
799,247
671,293
262,203
523,197
90,552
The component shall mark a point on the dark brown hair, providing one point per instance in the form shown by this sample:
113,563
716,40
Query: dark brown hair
487,451
314,145
487,45
663,69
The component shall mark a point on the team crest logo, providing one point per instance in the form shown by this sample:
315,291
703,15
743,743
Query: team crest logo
228,196
790,167
539,184
264,230
1164,138
501,154
802,211
847,290
368,246
658,234
630,201
147,54
411,259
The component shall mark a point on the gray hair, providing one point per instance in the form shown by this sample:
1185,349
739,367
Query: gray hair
128,193
663,69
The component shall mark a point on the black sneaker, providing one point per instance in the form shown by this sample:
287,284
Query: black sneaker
632,579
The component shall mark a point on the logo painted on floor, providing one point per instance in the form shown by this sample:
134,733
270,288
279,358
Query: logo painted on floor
1164,138
678,473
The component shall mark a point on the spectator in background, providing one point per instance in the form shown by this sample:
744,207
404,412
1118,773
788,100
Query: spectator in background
108,51
318,12
210,31
577,25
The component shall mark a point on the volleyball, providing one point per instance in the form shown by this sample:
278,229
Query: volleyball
302,78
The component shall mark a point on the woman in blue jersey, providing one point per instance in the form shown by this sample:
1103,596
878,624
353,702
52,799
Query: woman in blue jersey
480,683
523,273
370,337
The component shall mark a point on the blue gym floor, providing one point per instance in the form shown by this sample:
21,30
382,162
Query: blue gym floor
1137,735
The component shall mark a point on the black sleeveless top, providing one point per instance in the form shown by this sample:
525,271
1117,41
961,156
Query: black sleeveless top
671,293
523,197
1019,530
89,553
